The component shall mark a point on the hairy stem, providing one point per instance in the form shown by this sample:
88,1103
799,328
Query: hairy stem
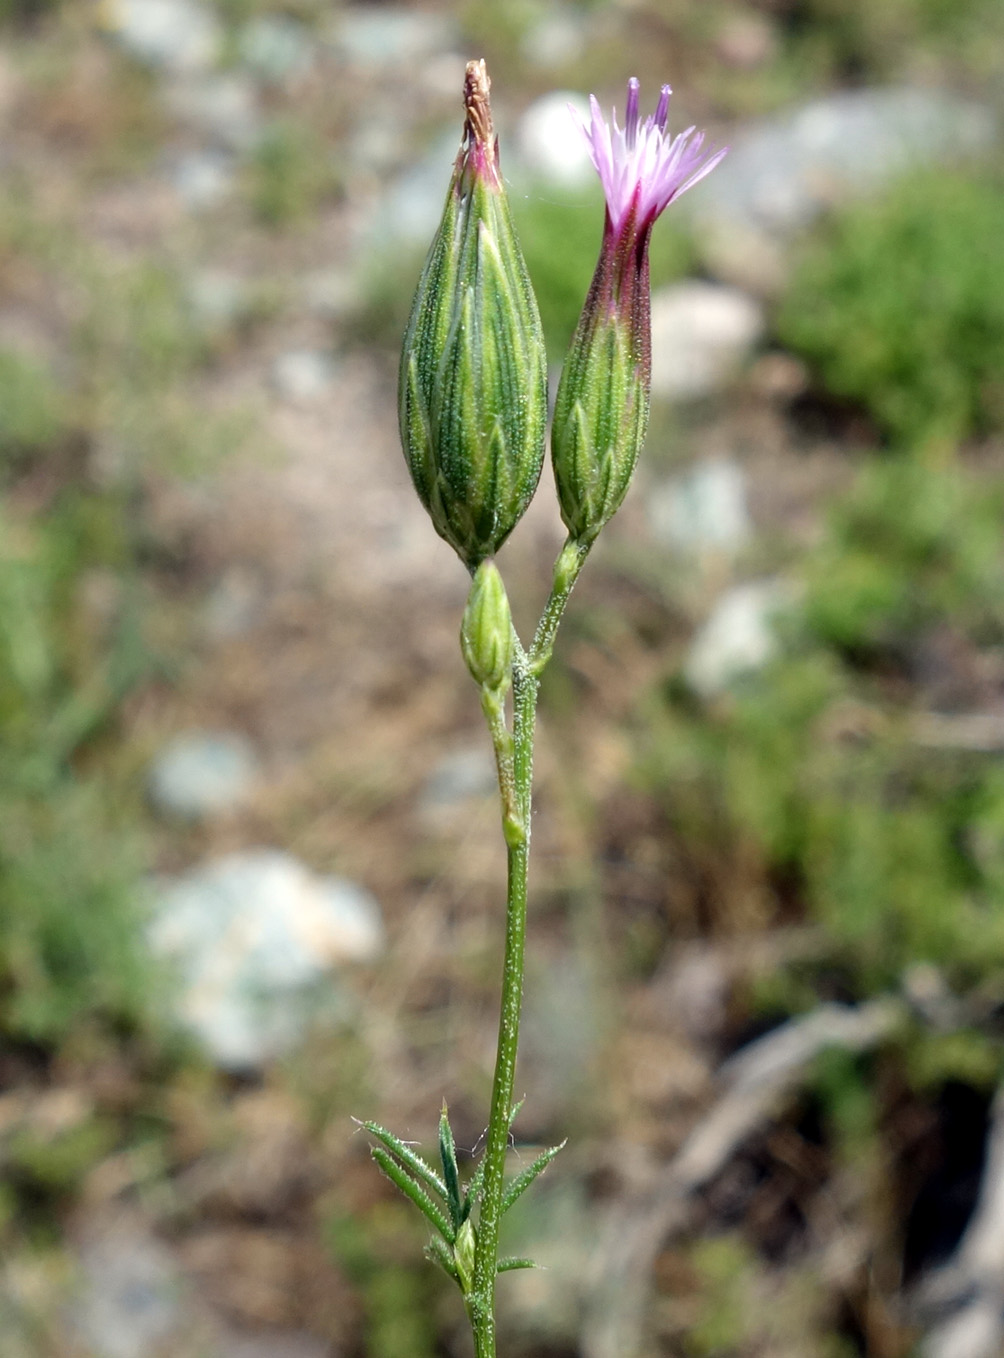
515,762
481,1303
566,572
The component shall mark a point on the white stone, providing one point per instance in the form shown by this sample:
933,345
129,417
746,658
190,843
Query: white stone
302,375
251,935
203,179
224,107
738,638
459,775
550,143
701,333
131,1297
703,510
180,36
783,171
203,773
385,36
276,48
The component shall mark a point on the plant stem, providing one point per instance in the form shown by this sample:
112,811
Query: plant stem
566,572
481,1303
515,761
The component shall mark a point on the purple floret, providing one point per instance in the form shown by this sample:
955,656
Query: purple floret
639,163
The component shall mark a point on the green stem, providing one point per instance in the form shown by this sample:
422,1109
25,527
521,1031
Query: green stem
481,1303
566,572
515,760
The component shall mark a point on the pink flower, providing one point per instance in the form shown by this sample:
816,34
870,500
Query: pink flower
602,403
640,166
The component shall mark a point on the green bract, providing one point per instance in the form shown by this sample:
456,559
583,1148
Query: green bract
473,380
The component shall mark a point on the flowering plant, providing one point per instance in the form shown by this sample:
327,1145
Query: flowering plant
473,411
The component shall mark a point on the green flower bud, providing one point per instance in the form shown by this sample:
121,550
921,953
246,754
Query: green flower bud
473,380
601,409
463,1255
486,629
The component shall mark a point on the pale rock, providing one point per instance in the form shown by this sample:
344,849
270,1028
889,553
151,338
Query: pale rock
223,107
203,773
252,936
738,638
550,143
277,49
302,376
203,179
388,36
178,36
458,776
703,510
782,172
701,334
131,1301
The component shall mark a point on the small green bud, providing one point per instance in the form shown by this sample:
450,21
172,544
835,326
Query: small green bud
463,1255
486,629
473,380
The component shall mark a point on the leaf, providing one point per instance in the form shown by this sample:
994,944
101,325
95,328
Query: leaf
448,1155
412,1190
438,1252
523,1180
419,1167
510,1265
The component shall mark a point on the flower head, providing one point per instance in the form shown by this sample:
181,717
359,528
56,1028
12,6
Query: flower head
601,408
640,165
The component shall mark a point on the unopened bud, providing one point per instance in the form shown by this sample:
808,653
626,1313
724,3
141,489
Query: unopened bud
601,409
463,1255
486,629
473,381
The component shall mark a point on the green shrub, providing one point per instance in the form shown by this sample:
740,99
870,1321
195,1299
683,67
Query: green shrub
31,405
812,774
70,942
899,305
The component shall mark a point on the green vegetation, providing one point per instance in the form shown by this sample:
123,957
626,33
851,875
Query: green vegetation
75,451
899,305
816,773
290,174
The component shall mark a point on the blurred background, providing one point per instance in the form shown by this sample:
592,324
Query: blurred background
251,876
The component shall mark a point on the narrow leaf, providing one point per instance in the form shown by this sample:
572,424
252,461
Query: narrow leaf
419,1167
448,1155
440,1254
523,1180
412,1190
510,1265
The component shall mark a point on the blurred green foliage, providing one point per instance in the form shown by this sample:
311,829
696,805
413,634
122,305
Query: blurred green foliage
880,38
814,773
75,452
31,405
290,173
899,305
381,1254
69,941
